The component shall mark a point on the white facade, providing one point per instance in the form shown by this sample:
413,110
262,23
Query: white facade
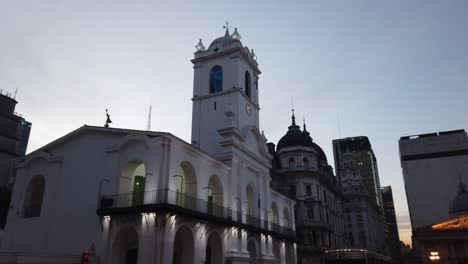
165,201
432,165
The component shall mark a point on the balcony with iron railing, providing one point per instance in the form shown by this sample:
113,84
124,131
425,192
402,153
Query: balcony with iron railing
168,201
312,224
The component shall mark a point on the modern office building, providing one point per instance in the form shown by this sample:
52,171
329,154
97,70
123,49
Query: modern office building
149,197
392,237
358,175
432,165
14,136
301,172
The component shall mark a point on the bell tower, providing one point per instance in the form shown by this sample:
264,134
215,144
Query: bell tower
225,91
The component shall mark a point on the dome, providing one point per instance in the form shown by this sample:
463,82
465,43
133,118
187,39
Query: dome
295,137
225,40
459,204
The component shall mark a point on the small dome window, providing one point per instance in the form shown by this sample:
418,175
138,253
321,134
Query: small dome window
216,79
305,161
247,84
291,164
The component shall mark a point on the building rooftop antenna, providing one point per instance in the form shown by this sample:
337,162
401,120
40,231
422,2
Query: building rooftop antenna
149,120
16,92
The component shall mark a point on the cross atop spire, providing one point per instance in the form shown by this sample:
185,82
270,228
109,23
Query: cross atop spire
227,26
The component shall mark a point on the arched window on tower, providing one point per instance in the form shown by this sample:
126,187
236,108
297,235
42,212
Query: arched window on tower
216,79
33,197
306,163
291,163
247,84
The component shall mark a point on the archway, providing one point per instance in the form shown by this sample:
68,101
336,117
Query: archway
286,218
289,254
214,249
251,204
215,196
277,252
183,246
274,214
125,248
252,249
34,195
186,184
132,181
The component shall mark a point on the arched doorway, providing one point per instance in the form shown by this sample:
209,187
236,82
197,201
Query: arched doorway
277,252
186,184
251,204
289,254
252,249
183,246
215,196
132,181
214,249
286,217
274,216
125,249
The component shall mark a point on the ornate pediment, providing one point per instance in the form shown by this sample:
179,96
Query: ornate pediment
460,222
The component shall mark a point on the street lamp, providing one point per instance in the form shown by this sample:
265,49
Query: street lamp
434,257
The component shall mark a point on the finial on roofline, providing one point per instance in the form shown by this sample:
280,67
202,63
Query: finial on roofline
227,27
304,124
108,121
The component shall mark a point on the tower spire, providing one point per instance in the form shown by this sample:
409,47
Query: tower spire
149,120
304,124
293,118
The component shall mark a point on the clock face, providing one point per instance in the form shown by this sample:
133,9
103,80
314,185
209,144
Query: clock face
248,109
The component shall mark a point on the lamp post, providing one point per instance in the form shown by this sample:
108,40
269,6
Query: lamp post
100,188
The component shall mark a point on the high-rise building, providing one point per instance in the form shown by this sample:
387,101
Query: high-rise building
14,136
301,172
393,239
433,165
358,175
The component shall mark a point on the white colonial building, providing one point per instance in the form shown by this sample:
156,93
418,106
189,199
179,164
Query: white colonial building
150,197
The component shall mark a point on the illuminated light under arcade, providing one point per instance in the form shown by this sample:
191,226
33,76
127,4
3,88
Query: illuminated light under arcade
434,256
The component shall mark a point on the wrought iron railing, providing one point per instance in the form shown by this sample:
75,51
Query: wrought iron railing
312,223
178,200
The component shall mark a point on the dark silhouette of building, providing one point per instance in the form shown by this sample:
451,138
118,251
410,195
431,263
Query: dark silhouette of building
393,239
358,175
14,137
301,172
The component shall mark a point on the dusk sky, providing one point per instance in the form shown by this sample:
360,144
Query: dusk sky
382,69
